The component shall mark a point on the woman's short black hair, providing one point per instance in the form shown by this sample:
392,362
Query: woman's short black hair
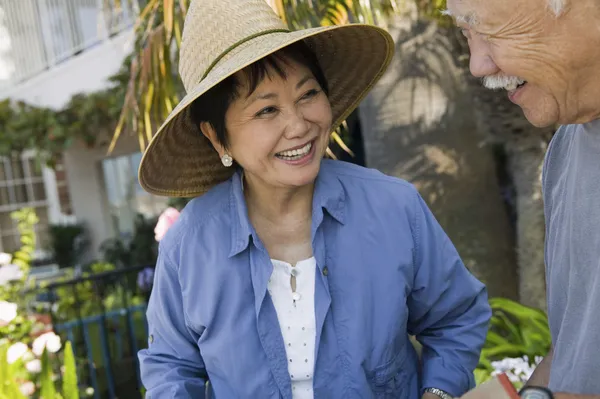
212,106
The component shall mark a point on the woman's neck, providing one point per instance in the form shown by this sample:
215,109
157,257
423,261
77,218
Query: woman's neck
277,204
282,219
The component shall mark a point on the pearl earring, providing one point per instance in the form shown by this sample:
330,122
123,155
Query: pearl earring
227,160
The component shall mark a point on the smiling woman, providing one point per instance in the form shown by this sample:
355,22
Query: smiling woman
290,275
262,98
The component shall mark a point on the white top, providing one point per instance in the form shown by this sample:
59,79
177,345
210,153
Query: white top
296,315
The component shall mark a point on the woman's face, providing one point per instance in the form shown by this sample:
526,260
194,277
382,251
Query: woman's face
279,133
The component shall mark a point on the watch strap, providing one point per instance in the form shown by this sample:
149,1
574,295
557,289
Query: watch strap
439,393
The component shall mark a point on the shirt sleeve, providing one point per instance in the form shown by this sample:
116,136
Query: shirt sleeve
448,308
171,366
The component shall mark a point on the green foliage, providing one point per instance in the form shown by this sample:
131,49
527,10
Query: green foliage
433,9
15,374
9,388
515,331
48,390
87,118
21,326
92,299
69,381
308,14
68,243
142,249
26,220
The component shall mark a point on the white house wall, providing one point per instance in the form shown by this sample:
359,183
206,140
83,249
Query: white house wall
87,189
84,73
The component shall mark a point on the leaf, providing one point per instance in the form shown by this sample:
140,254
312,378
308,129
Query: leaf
494,338
336,137
69,382
48,390
502,351
183,6
148,101
481,376
168,10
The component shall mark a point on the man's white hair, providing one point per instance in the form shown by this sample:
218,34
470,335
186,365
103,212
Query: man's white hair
557,6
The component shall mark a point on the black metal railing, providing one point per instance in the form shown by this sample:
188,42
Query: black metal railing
103,315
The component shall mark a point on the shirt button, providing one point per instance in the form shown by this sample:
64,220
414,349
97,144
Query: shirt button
151,338
294,272
325,271
296,296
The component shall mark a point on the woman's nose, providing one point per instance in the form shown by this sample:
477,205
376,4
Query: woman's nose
297,125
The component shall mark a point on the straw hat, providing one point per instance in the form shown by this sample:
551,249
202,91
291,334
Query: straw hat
221,37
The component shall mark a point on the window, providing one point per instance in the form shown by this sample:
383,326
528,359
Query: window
21,185
126,197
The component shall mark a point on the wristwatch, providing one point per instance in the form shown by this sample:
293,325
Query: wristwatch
532,392
439,393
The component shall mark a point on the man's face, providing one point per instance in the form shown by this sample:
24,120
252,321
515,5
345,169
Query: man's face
541,60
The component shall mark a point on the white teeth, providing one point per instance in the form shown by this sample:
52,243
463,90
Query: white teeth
501,81
514,85
295,154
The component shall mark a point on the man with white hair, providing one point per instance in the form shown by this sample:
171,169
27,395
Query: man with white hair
546,54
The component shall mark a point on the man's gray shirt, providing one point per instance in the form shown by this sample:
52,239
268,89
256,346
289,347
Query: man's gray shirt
571,185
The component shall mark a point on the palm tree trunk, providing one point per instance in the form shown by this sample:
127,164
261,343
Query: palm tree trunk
525,160
418,124
524,146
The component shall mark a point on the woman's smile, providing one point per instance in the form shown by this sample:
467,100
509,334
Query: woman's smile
297,156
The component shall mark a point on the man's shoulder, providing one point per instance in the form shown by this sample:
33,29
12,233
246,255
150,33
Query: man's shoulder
556,155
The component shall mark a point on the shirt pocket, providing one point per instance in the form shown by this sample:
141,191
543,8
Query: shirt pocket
389,381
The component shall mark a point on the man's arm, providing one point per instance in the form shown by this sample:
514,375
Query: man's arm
541,374
541,378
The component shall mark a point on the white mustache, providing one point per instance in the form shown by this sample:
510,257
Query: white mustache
501,82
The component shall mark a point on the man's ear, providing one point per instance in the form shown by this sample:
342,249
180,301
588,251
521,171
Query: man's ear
210,133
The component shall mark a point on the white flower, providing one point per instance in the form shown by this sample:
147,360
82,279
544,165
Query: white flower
5,258
34,366
8,311
516,369
47,340
28,388
10,273
15,352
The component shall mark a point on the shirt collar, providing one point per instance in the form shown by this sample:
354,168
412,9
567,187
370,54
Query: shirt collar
329,195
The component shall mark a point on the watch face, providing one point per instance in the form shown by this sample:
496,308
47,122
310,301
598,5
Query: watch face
535,393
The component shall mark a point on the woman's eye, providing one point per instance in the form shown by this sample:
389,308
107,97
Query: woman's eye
310,94
266,111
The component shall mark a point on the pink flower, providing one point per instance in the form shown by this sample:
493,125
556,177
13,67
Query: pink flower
165,221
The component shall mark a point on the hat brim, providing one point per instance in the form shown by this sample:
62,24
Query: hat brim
181,162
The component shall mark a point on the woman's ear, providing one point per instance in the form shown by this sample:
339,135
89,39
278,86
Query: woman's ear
210,133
